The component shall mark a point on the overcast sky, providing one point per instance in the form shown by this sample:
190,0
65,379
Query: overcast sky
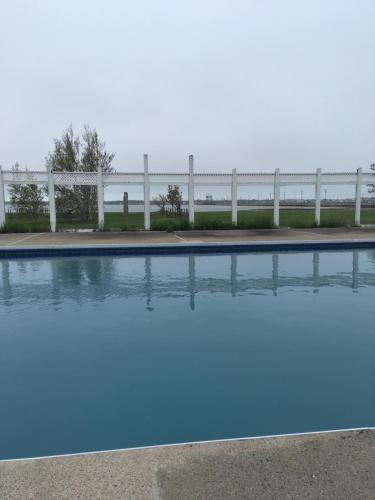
243,83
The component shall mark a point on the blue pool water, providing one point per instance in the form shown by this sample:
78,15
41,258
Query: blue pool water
113,352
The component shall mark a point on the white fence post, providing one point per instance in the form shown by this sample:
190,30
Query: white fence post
358,193
146,194
51,200
100,199
191,189
276,198
234,197
2,199
318,192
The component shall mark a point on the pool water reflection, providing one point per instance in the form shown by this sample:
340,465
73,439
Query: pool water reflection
112,352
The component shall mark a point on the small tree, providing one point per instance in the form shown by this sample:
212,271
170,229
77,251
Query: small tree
75,154
174,198
27,198
161,200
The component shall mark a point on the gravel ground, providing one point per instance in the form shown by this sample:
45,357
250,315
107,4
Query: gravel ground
338,465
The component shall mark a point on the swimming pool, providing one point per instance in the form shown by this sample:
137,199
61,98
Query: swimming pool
107,352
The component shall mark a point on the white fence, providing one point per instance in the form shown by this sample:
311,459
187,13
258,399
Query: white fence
191,179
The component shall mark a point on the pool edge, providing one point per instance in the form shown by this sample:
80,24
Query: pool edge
188,443
131,249
332,465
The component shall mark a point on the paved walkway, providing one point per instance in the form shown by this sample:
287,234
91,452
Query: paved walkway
180,237
322,466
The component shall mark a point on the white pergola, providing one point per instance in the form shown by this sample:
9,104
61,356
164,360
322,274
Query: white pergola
191,179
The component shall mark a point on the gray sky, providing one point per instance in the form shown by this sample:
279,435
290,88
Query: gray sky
252,84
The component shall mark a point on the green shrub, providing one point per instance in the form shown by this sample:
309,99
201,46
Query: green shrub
247,219
170,225
255,220
19,223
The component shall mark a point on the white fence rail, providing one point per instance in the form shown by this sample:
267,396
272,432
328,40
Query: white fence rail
191,179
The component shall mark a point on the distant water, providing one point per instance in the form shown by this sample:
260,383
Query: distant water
118,208
197,208
110,352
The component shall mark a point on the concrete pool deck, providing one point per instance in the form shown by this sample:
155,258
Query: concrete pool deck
316,466
181,237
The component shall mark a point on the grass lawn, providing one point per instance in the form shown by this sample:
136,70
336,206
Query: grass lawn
247,219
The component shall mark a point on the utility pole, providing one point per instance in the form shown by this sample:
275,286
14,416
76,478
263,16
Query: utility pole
125,201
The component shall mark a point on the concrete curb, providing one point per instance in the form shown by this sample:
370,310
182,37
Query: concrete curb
189,443
132,249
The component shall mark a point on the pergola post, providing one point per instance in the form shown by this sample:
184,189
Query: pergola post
276,198
51,200
318,192
234,197
146,194
358,193
191,189
2,200
100,199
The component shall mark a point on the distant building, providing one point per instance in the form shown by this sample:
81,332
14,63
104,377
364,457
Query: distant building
209,197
